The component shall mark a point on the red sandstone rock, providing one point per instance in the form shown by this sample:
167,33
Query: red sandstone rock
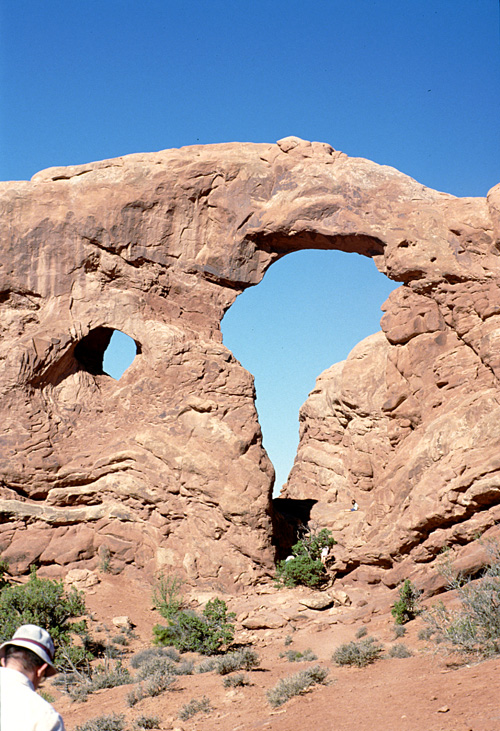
165,468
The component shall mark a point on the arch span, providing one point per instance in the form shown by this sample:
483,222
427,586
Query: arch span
168,466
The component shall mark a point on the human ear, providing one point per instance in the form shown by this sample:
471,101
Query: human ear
40,672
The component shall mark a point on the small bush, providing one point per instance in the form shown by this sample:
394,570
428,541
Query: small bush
152,686
205,666
399,630
407,606
400,650
296,656
190,632
245,659
426,633
147,722
305,568
153,652
195,706
359,653
362,632
296,685
121,640
235,681
4,569
104,723
475,627
288,640
167,597
105,560
46,603
46,696
79,686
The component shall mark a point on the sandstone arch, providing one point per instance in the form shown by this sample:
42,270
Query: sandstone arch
159,245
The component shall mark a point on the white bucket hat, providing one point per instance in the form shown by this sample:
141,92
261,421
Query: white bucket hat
35,639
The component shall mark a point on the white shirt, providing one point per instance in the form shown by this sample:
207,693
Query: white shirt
21,708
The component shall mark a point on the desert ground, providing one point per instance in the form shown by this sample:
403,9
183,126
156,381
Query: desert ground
431,690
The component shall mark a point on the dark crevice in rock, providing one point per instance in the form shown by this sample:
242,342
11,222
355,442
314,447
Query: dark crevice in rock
290,521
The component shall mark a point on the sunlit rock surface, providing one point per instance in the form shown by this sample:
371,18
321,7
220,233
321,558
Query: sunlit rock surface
165,467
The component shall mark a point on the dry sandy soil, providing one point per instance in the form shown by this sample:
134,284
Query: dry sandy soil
429,691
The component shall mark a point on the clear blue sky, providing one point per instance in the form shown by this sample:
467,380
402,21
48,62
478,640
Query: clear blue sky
410,83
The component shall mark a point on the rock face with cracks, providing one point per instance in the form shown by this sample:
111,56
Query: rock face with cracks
165,468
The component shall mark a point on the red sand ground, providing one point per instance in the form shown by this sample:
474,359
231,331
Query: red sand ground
426,692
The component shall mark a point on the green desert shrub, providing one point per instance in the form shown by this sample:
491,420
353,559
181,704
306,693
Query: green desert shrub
360,653
112,722
296,684
305,567
473,628
407,607
4,569
167,596
195,706
46,603
245,659
189,631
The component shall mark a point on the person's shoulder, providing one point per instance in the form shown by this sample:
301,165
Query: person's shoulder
52,720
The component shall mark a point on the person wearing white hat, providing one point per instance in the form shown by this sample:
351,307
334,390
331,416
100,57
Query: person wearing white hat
25,660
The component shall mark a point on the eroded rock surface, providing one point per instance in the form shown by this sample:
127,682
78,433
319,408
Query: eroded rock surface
165,468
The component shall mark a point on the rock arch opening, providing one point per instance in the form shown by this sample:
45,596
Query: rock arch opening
105,351
309,311
119,354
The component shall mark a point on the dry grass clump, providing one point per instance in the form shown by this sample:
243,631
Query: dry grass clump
79,685
400,650
205,666
165,666
359,653
245,659
474,628
147,722
195,706
296,685
150,687
296,656
235,681
104,723
154,652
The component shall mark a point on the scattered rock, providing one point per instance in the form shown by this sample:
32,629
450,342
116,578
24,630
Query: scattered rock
443,709
317,601
263,620
81,579
341,598
123,622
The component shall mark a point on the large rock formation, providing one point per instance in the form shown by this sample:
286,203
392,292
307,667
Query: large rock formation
166,467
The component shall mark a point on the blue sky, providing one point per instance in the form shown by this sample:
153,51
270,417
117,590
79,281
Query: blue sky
412,84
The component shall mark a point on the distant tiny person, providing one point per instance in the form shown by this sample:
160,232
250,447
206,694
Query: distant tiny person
325,552
25,661
354,507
